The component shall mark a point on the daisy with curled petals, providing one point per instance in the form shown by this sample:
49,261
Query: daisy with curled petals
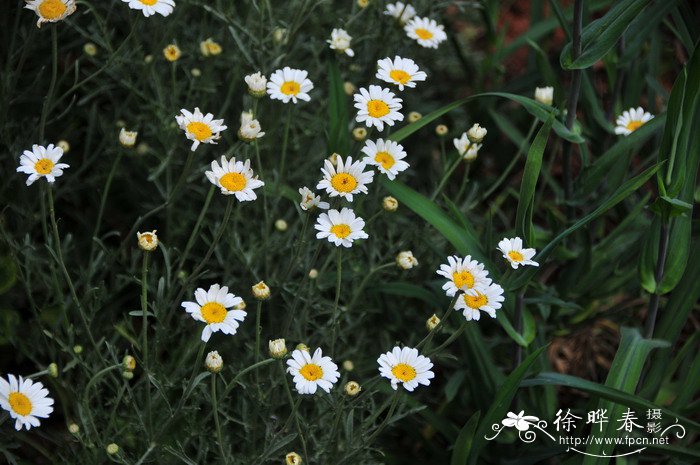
405,366
151,7
631,120
462,274
466,148
340,42
51,11
426,32
200,128
311,201
377,106
513,251
234,178
485,296
345,180
402,72
41,162
211,307
340,227
400,11
311,372
386,155
289,84
25,400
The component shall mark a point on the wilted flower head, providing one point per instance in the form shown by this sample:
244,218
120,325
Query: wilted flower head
250,128
129,363
405,260
359,134
112,449
414,116
340,42
148,241
127,138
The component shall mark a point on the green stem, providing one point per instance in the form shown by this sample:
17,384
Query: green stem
338,279
144,337
285,142
103,202
217,238
52,85
195,231
447,175
64,270
294,407
450,308
465,180
449,340
254,366
389,414
215,408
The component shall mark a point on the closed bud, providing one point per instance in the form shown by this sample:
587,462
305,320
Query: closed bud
129,363
127,138
78,349
544,95
112,449
432,322
348,365
148,241
64,145
261,291
73,428
213,362
53,370
302,346
349,88
441,130
352,388
128,375
476,134
313,273
405,260
414,116
390,204
359,134
278,348
281,225
90,49
293,458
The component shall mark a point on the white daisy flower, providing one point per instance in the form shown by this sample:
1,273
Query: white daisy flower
402,72
212,308
25,400
405,366
386,155
257,84
51,11
312,372
462,274
377,106
400,11
340,227
345,180
151,7
289,84
340,42
467,149
41,162
311,201
200,128
250,128
630,120
513,251
427,32
234,178
485,296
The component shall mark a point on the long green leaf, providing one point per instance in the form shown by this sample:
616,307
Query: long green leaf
463,446
338,112
601,35
501,403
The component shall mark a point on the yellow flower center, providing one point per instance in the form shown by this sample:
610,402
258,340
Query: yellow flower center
476,301
384,159
341,231
43,166
344,182
311,372
200,131
404,372
423,33
148,237
149,2
634,125
172,53
462,279
377,108
20,403
516,256
400,76
52,9
290,88
233,181
213,312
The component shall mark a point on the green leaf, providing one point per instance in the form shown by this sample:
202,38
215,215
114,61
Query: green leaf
338,113
536,109
620,194
8,273
501,404
598,37
533,165
464,442
624,375
605,392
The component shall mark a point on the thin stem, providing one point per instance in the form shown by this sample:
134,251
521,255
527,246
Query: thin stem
389,414
447,175
215,408
443,320
144,337
64,270
465,181
293,406
658,276
450,339
573,98
285,142
195,231
217,238
103,201
52,85
519,303
339,272
254,366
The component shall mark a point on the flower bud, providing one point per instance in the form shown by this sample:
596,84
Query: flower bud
476,134
78,349
129,363
128,375
432,322
544,95
441,130
127,138
390,204
349,88
280,35
261,291
348,365
73,428
214,362
148,59
64,145
112,449
196,72
148,241
53,370
313,273
209,47
172,53
257,84
302,346
414,116
90,49
278,348
359,134
352,388
293,458
281,225
405,260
